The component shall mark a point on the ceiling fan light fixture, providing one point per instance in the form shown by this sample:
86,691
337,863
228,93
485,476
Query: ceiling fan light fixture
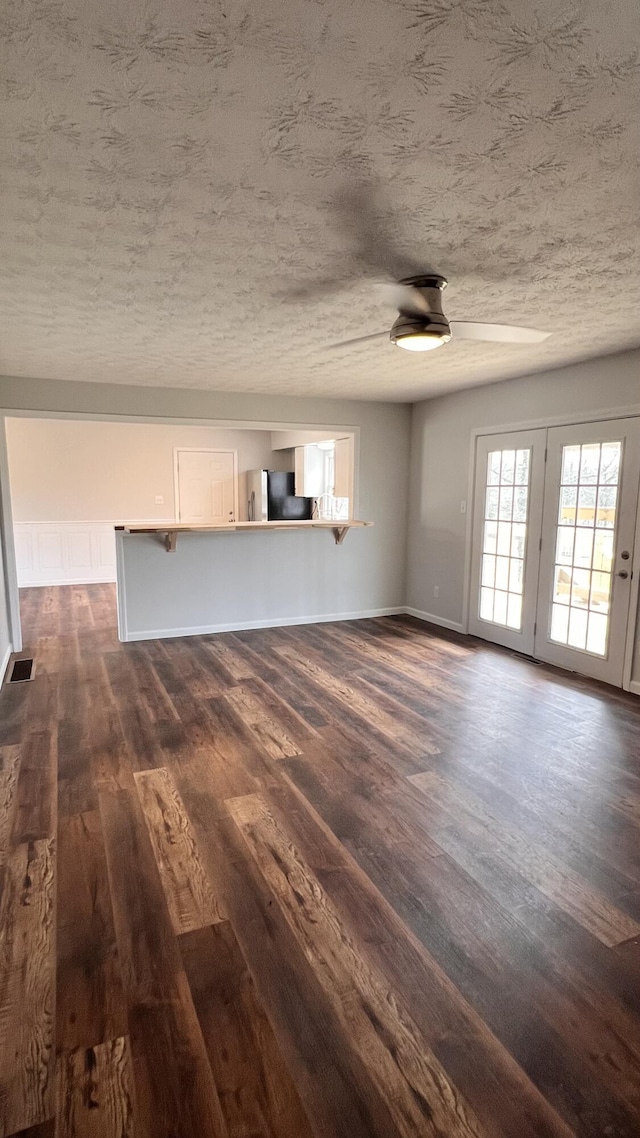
421,324
420,333
421,341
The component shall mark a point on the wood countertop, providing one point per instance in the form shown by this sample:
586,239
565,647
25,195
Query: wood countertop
171,530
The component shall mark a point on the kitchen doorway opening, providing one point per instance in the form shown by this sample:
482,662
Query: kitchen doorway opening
69,480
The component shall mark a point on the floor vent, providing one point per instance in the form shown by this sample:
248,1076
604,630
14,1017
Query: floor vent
22,670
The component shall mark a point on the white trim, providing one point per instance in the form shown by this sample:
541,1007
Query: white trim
111,522
468,534
246,625
4,664
431,618
632,623
7,544
121,608
634,687
63,581
207,450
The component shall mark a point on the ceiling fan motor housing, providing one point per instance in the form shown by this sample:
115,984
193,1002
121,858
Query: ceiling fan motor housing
430,322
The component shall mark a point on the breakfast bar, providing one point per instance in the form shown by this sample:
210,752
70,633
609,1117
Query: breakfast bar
170,533
240,575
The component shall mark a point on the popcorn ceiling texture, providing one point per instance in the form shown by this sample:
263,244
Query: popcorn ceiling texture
168,172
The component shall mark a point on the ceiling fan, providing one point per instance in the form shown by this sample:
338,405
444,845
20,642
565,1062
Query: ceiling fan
371,235
421,324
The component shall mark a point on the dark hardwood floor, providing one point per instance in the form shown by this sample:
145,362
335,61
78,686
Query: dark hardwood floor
352,880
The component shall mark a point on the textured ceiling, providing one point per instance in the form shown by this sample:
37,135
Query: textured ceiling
169,170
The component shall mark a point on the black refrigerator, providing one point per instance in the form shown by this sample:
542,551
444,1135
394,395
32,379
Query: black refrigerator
271,497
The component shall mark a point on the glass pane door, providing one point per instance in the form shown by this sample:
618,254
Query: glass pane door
588,534
507,518
584,546
505,536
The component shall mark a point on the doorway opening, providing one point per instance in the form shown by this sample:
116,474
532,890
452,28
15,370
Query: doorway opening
70,481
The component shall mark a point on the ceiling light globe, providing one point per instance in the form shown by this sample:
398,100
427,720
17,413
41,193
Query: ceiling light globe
421,341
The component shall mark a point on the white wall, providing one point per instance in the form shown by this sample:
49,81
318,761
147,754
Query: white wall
77,471
368,570
440,450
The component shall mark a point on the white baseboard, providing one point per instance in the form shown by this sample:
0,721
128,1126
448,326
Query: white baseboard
4,663
431,618
107,579
634,687
247,625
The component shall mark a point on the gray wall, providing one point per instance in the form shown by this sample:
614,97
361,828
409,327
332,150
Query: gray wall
366,573
440,450
221,582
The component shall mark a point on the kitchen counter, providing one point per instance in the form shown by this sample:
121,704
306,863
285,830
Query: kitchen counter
248,575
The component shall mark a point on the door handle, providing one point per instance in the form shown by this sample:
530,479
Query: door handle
622,573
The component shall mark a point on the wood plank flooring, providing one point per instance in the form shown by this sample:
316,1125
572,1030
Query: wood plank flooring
361,880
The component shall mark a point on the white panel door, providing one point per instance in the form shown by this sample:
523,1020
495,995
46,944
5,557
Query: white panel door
206,487
507,520
590,506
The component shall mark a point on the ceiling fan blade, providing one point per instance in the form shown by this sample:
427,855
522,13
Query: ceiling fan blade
369,231
357,340
505,333
371,247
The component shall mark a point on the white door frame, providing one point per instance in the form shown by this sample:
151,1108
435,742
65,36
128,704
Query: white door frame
8,547
568,420
205,450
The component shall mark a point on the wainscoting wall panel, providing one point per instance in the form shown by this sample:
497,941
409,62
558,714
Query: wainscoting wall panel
67,553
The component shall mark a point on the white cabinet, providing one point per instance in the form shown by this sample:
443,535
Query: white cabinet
309,471
343,471
326,473
298,470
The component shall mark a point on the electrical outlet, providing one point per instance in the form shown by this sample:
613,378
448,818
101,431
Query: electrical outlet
159,500
436,590
463,507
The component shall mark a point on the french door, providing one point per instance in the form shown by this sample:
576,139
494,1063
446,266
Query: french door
572,532
507,524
